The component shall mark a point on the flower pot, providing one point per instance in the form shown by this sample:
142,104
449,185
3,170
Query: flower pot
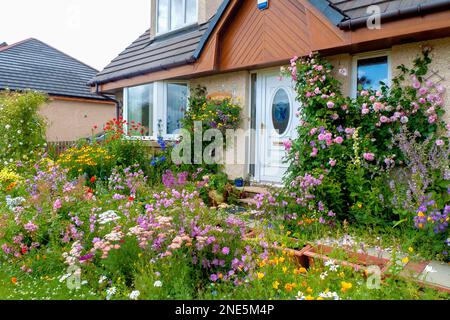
239,183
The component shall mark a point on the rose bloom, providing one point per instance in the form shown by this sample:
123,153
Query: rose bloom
339,140
369,156
330,104
332,162
439,142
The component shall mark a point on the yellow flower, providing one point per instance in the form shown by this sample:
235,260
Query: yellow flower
290,286
260,275
282,259
285,269
346,286
262,264
309,298
302,270
320,298
411,249
421,214
309,290
405,260
275,285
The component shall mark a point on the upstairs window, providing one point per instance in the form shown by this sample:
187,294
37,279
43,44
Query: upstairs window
175,14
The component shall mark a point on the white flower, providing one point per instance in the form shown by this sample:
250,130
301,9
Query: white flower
429,269
329,263
134,295
107,217
19,131
157,284
7,127
300,296
110,292
102,279
323,275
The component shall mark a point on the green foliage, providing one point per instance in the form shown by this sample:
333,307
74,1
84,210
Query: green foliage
22,128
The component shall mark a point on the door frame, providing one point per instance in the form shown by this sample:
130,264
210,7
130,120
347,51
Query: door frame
261,97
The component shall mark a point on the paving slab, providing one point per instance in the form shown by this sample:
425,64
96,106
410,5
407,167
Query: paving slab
437,273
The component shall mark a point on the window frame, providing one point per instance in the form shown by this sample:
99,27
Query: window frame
169,19
364,56
160,107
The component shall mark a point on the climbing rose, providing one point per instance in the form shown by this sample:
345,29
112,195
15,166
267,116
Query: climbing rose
369,156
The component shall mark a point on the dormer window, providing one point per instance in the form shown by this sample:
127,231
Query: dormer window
175,14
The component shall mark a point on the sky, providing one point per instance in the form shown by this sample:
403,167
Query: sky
92,31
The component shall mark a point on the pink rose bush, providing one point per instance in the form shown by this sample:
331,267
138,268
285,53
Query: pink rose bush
350,144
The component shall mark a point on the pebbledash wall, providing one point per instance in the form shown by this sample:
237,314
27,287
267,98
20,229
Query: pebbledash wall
70,120
238,83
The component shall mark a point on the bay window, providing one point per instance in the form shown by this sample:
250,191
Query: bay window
176,105
175,14
139,102
159,107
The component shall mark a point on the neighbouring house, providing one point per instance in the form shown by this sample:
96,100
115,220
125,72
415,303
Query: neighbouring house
236,47
73,109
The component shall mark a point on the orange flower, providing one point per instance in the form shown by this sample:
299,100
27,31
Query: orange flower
14,280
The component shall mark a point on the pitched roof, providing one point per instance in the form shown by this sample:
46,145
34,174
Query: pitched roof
32,64
147,55
355,12
185,46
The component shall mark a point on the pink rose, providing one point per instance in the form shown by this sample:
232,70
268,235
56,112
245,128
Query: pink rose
330,104
369,156
332,162
287,145
339,140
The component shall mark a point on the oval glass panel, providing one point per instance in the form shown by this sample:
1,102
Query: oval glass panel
281,111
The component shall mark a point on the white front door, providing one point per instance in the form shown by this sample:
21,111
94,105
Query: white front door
276,123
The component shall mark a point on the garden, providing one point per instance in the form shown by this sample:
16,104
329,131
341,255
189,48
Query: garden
115,219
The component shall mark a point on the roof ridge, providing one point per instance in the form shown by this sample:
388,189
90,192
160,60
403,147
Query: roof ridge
9,46
67,55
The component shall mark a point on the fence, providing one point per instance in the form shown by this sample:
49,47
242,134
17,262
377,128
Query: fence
58,147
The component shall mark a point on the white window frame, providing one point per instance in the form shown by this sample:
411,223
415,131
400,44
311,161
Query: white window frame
159,109
164,115
169,20
369,55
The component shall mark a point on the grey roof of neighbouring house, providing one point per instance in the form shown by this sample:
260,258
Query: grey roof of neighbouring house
32,64
147,55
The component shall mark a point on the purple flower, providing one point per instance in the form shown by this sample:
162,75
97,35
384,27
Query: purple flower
226,250
214,277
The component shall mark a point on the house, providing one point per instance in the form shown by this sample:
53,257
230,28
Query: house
237,47
72,109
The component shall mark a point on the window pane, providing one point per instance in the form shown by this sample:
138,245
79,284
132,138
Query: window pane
281,109
140,108
177,14
163,15
176,105
191,11
371,72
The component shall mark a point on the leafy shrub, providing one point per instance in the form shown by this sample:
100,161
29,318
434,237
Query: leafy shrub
22,128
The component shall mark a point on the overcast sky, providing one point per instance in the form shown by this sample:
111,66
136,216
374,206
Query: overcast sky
93,31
